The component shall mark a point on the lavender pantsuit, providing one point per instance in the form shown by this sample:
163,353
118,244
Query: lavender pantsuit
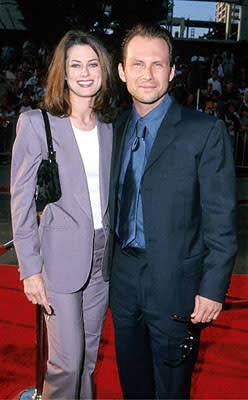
65,248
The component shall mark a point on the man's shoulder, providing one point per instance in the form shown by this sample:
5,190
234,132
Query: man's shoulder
121,117
197,115
192,115
193,122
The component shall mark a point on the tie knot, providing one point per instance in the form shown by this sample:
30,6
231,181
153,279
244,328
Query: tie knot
140,129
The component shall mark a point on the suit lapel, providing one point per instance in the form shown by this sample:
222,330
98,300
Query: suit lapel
166,134
117,156
119,140
105,146
74,164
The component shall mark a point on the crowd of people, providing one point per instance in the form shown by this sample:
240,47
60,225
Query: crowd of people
22,75
22,80
215,83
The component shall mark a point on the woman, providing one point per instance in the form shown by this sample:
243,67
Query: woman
62,263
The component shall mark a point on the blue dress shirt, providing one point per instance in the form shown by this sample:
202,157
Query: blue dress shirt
152,121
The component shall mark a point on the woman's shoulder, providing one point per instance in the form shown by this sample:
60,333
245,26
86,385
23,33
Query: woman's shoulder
34,114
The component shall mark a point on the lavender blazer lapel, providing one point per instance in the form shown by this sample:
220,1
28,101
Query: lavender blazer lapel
105,149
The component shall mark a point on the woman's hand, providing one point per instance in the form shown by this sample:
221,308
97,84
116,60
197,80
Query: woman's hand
35,291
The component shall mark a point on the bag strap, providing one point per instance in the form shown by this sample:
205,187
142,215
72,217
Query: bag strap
51,153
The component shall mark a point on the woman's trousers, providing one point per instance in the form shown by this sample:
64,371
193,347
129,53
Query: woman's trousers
74,334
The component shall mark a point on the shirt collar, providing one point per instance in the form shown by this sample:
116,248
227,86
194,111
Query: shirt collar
153,119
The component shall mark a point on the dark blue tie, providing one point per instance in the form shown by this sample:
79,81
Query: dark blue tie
131,187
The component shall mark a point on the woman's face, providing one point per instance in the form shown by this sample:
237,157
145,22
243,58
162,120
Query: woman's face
83,71
231,108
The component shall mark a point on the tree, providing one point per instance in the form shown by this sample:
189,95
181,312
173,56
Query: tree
54,17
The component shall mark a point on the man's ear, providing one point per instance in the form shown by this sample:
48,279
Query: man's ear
121,72
172,72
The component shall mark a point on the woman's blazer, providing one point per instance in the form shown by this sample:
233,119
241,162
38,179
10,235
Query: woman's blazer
62,247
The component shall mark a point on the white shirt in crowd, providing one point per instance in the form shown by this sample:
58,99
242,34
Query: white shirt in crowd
216,85
24,109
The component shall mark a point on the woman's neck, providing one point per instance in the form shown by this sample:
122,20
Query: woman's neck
82,116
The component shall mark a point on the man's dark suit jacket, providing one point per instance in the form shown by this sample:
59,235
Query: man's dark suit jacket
189,200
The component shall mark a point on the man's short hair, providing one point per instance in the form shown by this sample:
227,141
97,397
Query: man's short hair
150,31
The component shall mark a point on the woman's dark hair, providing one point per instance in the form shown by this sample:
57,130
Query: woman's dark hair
57,100
150,31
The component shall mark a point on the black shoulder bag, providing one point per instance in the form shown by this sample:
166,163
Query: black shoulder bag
48,188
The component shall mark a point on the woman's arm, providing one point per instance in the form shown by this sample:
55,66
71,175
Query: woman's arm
26,158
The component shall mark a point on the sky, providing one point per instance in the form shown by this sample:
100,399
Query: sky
194,10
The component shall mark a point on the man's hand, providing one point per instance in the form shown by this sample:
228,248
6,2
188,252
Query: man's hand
205,310
34,289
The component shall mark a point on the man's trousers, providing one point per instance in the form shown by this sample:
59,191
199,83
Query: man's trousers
148,358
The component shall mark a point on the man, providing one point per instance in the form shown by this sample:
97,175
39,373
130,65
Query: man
172,235
215,82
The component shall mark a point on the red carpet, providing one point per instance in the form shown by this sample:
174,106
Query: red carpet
221,371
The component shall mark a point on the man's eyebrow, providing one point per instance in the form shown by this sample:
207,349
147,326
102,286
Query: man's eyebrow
154,61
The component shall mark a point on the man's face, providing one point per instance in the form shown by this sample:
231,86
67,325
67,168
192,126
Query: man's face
229,85
209,107
146,71
215,75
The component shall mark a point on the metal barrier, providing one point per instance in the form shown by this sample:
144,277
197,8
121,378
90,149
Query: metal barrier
5,247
